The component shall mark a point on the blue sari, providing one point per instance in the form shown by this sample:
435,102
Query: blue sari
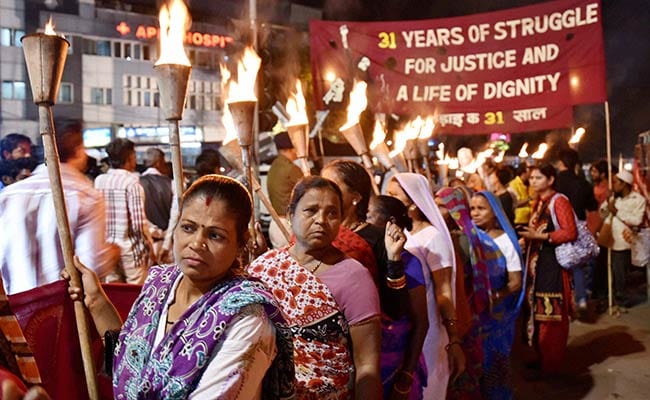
498,328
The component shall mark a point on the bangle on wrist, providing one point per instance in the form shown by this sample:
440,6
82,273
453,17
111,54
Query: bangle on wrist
396,283
449,322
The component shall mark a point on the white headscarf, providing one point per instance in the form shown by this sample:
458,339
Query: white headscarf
418,189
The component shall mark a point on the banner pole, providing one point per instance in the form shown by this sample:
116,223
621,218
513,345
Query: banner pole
609,182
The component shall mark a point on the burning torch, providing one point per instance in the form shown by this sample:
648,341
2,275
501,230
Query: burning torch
45,55
173,73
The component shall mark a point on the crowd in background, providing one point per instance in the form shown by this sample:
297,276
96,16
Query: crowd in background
414,293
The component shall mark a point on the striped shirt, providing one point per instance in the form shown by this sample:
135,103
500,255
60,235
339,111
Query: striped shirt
30,250
126,221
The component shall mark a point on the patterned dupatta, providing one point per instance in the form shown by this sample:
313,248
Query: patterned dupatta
174,369
478,269
323,361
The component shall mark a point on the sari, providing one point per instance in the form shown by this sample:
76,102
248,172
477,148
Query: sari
498,327
173,368
324,368
395,335
434,249
473,292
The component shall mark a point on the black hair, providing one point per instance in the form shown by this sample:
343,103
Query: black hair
231,192
504,175
522,169
312,182
569,158
68,138
208,162
11,141
390,207
11,168
355,176
119,151
601,167
547,170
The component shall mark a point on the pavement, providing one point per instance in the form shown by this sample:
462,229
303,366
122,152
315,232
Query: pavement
608,357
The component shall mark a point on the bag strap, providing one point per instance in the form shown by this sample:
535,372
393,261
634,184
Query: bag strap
551,206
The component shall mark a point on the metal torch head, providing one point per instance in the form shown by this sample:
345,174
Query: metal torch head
243,116
400,162
172,82
411,149
381,153
423,147
231,151
45,58
299,137
354,136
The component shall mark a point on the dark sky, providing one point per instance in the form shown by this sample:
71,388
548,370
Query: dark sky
626,27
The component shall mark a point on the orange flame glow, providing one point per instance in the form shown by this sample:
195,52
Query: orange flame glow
297,107
577,136
541,150
523,153
427,128
378,135
49,28
243,87
400,143
174,20
358,103
226,117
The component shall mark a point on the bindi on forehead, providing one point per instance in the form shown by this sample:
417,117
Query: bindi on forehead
208,200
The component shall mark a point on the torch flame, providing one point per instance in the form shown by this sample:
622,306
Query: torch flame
174,20
226,117
523,153
378,135
49,27
499,158
400,143
577,136
358,103
296,107
440,153
541,150
427,128
243,88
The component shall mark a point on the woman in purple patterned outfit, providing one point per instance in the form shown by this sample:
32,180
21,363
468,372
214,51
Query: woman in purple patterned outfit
200,329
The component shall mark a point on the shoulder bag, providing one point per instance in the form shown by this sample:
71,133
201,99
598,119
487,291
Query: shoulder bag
581,250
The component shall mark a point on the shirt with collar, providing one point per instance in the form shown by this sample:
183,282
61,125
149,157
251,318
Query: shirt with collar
30,249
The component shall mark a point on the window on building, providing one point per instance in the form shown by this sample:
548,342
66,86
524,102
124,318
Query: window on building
127,51
103,48
136,52
146,55
65,95
117,49
101,96
11,37
13,90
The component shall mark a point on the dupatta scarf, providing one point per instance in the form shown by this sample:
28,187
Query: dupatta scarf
172,369
499,328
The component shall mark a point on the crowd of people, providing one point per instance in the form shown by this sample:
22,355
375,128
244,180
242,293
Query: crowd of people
412,294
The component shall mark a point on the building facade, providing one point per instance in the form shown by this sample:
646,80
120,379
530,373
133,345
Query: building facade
108,81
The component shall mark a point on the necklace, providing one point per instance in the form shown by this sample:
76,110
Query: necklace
313,271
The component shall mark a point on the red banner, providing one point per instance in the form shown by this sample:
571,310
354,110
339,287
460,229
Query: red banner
514,70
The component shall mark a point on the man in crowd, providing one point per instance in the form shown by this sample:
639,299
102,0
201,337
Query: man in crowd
283,176
14,146
626,210
519,186
126,221
159,199
600,182
30,250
